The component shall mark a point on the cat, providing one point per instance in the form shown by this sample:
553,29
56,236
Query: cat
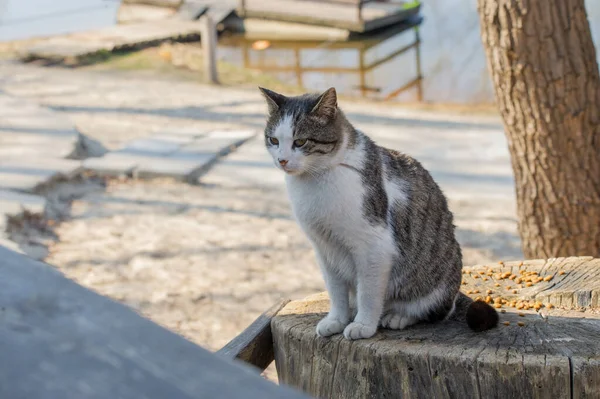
379,225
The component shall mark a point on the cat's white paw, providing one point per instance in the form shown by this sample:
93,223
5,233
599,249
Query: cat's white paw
395,321
359,331
328,327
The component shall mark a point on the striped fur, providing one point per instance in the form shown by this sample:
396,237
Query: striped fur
380,226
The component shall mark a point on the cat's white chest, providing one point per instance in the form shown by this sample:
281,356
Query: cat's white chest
333,202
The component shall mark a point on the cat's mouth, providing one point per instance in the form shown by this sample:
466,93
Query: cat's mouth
290,171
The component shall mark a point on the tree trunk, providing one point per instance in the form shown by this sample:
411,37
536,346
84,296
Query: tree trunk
542,60
546,345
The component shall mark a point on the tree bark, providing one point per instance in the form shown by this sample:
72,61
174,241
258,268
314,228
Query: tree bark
542,61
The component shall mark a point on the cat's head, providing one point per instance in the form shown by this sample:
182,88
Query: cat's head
303,133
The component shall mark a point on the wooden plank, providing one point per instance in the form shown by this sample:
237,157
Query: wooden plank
65,341
392,18
255,344
372,16
255,29
219,9
191,11
75,47
297,35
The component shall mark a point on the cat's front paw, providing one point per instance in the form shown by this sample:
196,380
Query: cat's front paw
328,327
359,331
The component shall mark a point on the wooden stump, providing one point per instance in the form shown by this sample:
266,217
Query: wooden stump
554,353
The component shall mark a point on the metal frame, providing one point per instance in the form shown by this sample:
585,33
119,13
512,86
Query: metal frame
362,68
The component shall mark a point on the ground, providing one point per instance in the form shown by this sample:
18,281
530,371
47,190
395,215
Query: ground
205,260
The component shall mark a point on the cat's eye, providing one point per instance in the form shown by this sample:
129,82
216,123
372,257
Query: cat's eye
273,141
299,143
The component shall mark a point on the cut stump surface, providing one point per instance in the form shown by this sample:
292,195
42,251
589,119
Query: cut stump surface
549,347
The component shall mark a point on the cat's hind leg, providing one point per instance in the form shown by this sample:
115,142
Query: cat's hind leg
397,320
433,307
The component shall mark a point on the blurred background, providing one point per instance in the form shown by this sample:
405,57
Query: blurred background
402,51
131,155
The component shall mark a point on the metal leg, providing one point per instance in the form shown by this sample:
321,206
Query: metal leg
419,71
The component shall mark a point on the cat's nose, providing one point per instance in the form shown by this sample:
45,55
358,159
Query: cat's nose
283,162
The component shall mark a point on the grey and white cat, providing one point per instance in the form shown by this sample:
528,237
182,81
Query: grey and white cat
380,226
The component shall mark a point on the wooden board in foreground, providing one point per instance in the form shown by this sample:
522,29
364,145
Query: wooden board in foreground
555,353
61,340
255,344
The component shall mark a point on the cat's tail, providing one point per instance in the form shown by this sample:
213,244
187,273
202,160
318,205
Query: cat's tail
480,316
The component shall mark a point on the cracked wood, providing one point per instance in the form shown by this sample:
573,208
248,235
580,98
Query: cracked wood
557,355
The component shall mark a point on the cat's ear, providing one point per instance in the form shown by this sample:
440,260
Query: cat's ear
274,100
326,106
